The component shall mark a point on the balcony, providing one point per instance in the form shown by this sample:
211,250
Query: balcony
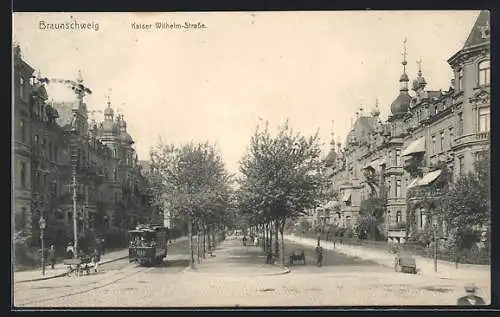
468,139
397,226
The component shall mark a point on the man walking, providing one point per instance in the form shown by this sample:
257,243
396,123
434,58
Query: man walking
470,299
52,256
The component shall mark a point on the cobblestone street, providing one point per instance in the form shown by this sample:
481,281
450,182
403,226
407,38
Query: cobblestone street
238,276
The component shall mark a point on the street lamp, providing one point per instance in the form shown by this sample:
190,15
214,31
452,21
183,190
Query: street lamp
434,233
42,225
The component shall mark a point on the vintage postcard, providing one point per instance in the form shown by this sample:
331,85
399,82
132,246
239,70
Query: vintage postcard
251,159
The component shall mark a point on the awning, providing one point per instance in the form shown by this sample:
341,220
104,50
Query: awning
417,146
429,178
347,196
375,164
413,183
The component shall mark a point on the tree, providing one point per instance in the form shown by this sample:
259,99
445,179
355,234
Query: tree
304,225
372,211
281,177
467,205
192,182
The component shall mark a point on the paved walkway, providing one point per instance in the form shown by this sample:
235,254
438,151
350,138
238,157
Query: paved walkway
60,269
232,258
446,269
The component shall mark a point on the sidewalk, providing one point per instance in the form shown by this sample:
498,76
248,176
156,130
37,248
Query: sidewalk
61,270
232,258
446,269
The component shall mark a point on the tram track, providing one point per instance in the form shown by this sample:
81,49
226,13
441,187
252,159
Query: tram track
112,275
122,274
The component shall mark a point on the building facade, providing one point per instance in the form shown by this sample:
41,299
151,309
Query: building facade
435,130
57,148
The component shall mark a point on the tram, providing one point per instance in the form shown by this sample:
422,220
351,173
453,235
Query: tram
148,244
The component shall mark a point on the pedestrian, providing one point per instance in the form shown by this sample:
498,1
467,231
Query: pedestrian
319,254
244,241
52,256
103,246
70,251
256,241
470,299
96,258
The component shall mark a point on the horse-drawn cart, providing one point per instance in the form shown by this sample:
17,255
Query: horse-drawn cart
79,266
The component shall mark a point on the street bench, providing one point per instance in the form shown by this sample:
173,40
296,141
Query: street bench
298,256
80,266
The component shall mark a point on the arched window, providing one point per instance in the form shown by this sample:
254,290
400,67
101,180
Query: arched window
484,73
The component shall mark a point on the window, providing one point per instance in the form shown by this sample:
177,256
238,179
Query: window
460,124
22,87
484,119
451,138
22,174
44,142
460,79
115,174
441,142
398,216
22,130
461,165
398,157
50,151
484,73
35,139
434,151
398,188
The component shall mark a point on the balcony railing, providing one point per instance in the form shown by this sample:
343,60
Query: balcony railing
473,137
397,226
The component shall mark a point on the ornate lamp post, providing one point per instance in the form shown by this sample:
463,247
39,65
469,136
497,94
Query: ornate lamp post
42,225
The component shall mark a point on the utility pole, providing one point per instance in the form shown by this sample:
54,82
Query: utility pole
80,90
75,222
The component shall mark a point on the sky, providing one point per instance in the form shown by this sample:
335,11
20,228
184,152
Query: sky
216,84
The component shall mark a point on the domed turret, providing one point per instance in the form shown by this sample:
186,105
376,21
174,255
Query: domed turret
419,83
124,136
375,111
402,102
108,126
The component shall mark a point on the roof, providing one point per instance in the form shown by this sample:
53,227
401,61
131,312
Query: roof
480,32
362,128
331,157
